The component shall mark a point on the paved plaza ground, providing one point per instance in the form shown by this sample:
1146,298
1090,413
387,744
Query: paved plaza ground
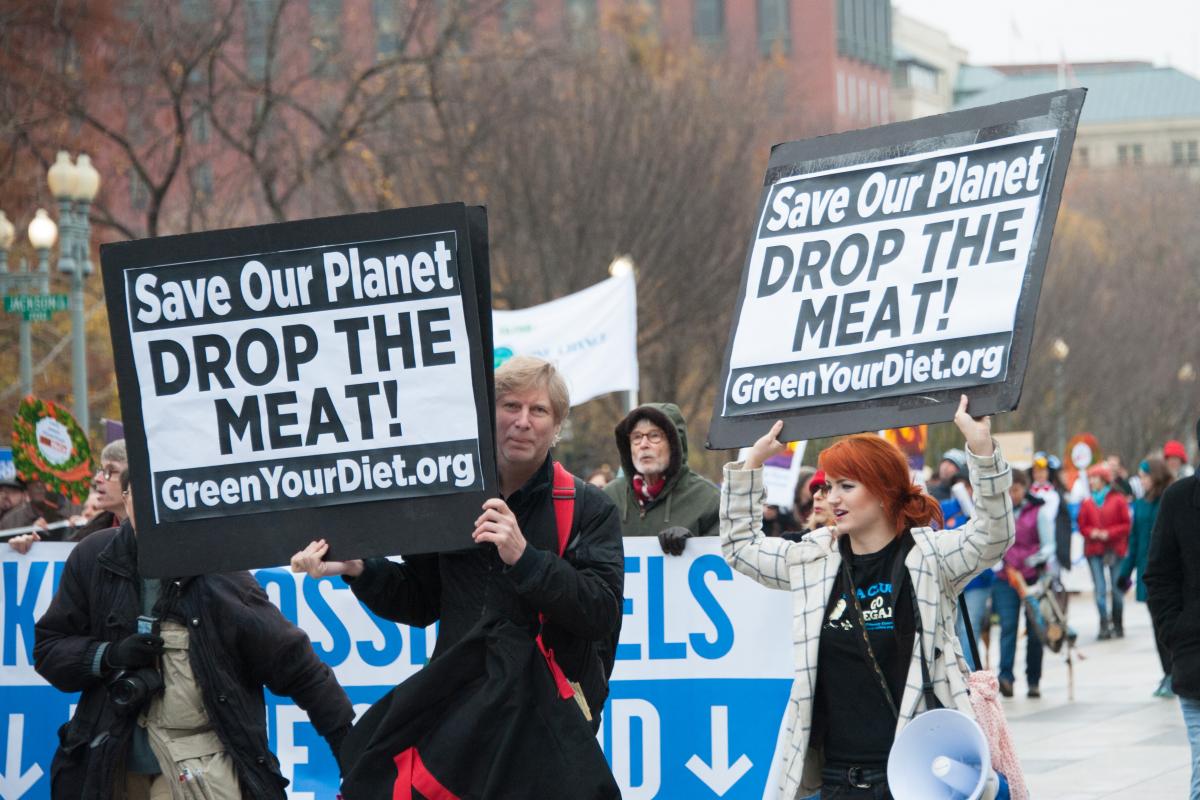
1115,740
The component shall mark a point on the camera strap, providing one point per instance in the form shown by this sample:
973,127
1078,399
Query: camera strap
166,602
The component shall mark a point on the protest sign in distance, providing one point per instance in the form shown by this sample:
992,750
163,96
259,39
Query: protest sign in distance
894,268
310,379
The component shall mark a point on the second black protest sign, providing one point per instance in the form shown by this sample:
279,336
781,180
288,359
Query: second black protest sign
893,268
313,379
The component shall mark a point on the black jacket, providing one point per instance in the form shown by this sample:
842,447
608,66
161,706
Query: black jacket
581,594
1173,582
239,643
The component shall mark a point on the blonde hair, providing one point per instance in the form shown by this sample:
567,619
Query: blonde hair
521,373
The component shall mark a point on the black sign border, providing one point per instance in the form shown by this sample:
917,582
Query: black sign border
1054,110
358,530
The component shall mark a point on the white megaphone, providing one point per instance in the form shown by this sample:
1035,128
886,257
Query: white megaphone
942,755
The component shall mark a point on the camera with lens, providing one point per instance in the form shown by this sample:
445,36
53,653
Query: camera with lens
130,689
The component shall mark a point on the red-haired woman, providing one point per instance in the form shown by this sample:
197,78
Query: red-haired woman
862,655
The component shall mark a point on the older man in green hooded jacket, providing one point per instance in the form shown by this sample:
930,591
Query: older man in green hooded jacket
658,494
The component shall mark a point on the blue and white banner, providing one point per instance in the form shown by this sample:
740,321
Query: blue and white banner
702,675
7,469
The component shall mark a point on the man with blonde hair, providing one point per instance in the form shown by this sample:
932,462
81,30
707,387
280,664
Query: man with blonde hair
535,607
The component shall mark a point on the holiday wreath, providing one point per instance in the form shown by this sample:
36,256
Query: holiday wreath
50,447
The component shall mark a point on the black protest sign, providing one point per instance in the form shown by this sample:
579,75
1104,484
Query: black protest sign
311,379
893,269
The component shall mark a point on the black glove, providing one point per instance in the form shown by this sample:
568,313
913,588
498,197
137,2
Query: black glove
673,540
132,652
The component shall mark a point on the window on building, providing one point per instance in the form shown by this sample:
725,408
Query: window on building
202,180
864,31
845,23
139,193
841,92
200,123
914,75
325,21
68,56
708,20
884,10
137,123
1081,156
774,27
1184,152
258,25
387,28
1128,154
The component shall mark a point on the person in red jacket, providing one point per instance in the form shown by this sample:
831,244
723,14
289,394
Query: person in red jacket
1104,521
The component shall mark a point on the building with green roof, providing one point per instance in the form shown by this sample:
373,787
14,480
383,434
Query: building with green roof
1135,114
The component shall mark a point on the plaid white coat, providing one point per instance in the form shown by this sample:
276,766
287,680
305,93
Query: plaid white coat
941,564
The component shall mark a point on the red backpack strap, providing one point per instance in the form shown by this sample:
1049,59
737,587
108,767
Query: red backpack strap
563,493
564,504
411,773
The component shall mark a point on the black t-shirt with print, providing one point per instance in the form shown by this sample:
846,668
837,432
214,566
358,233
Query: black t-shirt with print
859,726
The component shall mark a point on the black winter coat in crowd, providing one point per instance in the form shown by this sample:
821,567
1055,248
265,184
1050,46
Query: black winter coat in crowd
238,643
581,594
1173,582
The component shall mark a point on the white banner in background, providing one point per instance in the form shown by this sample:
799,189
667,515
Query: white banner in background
591,336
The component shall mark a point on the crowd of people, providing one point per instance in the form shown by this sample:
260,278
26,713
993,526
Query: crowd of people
944,556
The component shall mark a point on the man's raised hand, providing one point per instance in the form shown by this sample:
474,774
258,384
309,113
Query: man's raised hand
312,560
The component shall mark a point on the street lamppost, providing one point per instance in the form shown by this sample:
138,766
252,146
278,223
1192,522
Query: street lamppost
621,267
75,186
21,288
1186,377
1059,350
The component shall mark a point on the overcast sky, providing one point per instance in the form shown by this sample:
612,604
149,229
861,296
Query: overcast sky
1022,31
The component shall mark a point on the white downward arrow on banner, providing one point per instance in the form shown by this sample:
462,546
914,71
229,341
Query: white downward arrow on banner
13,784
720,776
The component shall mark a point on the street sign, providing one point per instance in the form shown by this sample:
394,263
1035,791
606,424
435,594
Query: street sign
35,307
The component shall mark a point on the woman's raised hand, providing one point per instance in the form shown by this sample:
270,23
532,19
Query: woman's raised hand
769,445
977,432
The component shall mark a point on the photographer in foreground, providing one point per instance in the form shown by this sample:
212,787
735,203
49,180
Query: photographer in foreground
172,675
